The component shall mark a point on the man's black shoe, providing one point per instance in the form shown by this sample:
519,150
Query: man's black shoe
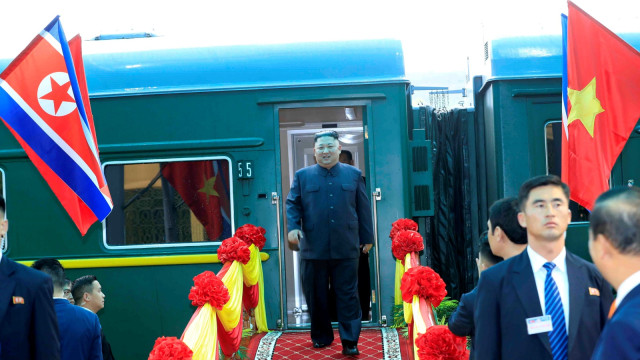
319,345
350,350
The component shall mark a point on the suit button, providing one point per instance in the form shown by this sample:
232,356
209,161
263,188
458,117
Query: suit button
330,183
330,207
332,221
330,194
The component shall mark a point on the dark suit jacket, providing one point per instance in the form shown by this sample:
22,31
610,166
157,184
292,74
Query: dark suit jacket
106,348
461,321
79,332
620,339
332,209
28,325
507,295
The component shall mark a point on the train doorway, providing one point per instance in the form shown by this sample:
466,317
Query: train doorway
297,126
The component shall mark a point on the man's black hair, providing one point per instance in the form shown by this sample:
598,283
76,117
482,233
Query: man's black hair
348,154
81,285
330,133
504,213
2,206
53,268
616,215
536,182
485,251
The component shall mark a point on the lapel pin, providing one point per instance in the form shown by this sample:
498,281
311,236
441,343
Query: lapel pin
18,300
594,291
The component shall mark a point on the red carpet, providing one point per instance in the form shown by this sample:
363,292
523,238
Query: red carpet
374,344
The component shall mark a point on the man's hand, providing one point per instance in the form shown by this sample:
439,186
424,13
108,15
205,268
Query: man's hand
366,248
294,237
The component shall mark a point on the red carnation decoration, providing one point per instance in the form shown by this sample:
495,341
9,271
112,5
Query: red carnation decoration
402,224
423,282
170,348
208,288
405,242
234,249
439,343
251,234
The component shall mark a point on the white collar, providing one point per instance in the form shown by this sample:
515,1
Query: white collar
627,285
537,261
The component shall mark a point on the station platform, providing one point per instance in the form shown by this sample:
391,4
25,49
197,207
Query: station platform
375,343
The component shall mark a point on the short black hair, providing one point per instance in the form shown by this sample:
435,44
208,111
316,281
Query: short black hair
81,285
536,182
53,268
616,215
2,206
348,154
485,250
330,133
504,213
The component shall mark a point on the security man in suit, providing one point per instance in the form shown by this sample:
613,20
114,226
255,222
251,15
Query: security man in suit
614,245
545,303
461,321
79,329
329,216
28,324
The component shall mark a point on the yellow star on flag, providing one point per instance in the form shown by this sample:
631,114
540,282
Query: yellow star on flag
208,187
585,106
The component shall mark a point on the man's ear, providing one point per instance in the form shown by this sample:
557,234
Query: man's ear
522,219
498,234
86,297
607,250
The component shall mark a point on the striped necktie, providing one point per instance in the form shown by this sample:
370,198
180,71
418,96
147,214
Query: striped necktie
558,338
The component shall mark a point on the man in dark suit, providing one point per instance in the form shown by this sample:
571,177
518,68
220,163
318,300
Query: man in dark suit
329,216
614,245
87,292
506,237
79,328
545,303
28,326
461,321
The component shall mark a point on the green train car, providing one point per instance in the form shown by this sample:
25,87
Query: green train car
518,124
237,122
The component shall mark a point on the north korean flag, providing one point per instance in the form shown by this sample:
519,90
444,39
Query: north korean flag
46,108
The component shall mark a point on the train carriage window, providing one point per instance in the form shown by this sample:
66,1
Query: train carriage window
169,203
553,148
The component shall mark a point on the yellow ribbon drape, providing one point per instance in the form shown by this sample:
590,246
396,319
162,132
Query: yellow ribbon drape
231,313
252,274
201,336
399,273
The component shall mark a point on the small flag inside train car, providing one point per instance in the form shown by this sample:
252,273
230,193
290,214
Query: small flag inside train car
601,85
45,104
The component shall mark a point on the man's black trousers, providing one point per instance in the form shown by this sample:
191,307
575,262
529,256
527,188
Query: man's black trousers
343,274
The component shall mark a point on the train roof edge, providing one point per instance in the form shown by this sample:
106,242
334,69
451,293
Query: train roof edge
142,66
530,56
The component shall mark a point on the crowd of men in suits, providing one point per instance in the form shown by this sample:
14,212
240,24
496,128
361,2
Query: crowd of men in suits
38,318
543,302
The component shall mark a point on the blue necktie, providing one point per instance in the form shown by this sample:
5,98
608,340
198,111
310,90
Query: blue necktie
553,306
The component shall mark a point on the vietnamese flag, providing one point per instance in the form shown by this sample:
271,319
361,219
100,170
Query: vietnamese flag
199,185
601,86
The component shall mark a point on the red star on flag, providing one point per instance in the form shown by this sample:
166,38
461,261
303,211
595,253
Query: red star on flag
59,94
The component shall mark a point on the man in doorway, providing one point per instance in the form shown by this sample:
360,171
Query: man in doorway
87,292
461,321
545,303
329,216
28,324
79,329
614,245
506,237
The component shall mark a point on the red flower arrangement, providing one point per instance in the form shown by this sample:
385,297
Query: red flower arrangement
439,343
234,249
251,234
402,224
170,348
406,241
423,282
208,288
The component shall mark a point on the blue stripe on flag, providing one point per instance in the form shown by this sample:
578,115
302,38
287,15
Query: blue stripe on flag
53,156
565,81
53,28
